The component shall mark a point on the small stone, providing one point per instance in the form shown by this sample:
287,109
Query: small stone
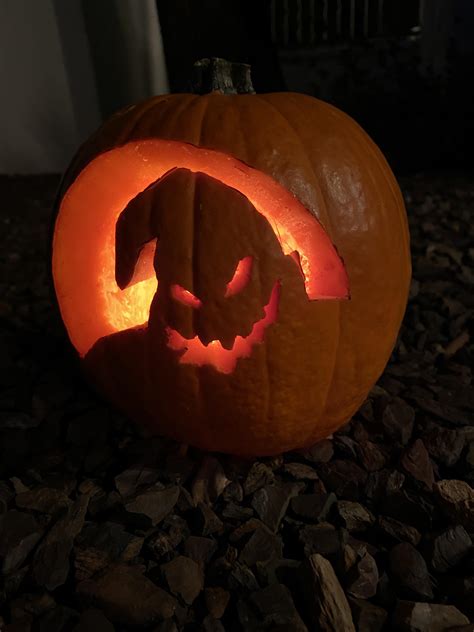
19,534
200,549
359,545
246,528
233,492
399,531
17,420
345,446
383,483
327,605
258,476
232,511
210,521
276,607
409,568
216,599
363,578
354,516
321,452
410,616
132,549
210,481
128,481
315,507
300,471
126,596
271,502
398,419
184,577
210,624
343,477
321,538
154,505
18,485
416,462
110,538
456,499
162,544
444,445
51,562
93,619
371,456
43,499
241,576
319,487
185,501
349,558
262,546
367,616
449,548
88,561
279,571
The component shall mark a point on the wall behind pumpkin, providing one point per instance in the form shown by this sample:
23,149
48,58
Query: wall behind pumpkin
65,65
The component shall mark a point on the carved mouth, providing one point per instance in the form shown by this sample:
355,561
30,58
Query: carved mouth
194,351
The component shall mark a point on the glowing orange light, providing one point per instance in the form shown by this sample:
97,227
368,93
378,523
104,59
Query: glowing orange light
130,307
92,305
185,297
241,277
224,360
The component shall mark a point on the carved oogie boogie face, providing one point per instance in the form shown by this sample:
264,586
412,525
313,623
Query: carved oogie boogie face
197,295
221,270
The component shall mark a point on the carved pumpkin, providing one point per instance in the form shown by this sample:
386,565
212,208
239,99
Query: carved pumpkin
232,268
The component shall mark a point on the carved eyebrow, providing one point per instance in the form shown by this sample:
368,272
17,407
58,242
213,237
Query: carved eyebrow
241,276
185,297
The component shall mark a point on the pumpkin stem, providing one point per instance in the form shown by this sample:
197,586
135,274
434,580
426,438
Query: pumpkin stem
214,73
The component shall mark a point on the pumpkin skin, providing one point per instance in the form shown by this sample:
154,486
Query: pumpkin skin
319,358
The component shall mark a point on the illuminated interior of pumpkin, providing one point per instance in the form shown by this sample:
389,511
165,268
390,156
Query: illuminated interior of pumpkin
91,303
193,351
241,277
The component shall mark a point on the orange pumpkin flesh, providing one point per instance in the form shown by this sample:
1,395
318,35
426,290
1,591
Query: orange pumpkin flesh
288,159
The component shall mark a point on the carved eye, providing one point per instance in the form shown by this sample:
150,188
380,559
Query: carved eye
241,276
185,297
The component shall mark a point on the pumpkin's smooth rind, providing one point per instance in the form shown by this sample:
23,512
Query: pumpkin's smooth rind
325,159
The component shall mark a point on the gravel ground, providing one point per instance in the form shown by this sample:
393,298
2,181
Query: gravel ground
103,529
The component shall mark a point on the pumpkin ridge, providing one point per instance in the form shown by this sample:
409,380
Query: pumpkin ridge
330,232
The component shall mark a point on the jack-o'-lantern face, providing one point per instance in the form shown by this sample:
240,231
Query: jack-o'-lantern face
197,252
213,303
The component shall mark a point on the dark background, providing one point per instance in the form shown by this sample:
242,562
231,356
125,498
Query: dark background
405,462
401,68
